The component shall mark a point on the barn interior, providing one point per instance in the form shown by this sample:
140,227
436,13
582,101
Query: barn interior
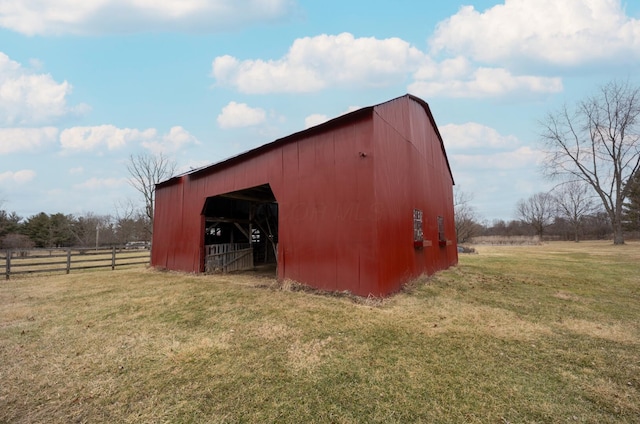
241,230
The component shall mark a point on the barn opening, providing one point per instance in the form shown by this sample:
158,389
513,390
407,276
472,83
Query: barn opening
241,231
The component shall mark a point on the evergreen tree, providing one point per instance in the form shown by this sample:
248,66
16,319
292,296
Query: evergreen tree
37,229
631,207
60,230
9,223
49,231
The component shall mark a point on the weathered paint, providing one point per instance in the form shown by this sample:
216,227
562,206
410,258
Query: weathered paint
346,191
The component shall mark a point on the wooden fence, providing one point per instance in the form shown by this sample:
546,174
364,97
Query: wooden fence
20,261
228,257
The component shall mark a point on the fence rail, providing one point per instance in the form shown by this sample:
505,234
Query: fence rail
20,261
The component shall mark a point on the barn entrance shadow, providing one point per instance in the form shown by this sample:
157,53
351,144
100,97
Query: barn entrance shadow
241,231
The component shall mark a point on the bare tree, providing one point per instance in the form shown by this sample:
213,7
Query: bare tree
598,142
130,222
146,171
16,241
466,221
574,202
90,229
632,206
537,211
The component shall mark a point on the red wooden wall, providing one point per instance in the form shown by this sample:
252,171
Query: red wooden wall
346,191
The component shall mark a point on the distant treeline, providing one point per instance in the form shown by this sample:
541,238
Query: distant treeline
60,230
592,227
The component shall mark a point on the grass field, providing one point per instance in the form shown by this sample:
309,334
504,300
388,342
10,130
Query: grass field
527,334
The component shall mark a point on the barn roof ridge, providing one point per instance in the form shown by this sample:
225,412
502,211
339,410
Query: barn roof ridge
320,128
427,109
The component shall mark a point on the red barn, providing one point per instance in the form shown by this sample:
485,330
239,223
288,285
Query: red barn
362,203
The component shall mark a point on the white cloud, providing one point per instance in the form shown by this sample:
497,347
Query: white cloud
519,158
18,177
101,183
475,136
313,63
495,168
316,63
28,98
315,119
92,138
474,146
42,17
496,176
489,164
76,171
351,109
14,140
457,67
174,140
458,78
97,138
568,32
318,118
238,115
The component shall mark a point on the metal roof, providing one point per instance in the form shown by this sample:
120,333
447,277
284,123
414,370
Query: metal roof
320,128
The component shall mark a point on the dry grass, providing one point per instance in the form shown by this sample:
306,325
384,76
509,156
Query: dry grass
507,240
544,333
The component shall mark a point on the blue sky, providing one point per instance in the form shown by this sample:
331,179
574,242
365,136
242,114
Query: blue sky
84,85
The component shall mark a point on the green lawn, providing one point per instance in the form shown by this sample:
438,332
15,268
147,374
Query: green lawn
539,334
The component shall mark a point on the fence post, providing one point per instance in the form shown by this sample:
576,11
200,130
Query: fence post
8,263
68,260
113,258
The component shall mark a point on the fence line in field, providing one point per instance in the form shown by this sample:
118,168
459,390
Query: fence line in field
21,261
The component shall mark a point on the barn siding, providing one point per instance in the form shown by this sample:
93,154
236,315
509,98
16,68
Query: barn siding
408,176
322,233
